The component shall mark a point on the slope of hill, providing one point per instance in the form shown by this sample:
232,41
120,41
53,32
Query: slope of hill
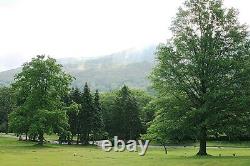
105,73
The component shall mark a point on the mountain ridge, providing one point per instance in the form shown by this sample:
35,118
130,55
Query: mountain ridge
105,73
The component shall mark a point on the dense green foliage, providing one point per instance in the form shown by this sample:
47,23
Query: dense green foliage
98,123
39,89
120,113
126,123
124,107
203,75
7,105
86,115
72,111
45,104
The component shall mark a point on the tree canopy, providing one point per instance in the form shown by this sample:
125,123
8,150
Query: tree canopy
204,71
39,89
7,105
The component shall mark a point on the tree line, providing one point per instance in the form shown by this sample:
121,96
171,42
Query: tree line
40,102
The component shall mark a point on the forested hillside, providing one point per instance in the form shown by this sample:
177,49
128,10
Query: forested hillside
130,67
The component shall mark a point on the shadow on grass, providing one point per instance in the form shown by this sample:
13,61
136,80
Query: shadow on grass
28,145
218,157
33,145
77,146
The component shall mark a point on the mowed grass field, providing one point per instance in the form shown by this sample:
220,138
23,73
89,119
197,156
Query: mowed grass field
20,153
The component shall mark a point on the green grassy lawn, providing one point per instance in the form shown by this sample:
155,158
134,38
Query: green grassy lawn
14,153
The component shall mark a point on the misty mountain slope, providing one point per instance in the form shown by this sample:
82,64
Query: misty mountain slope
108,78
6,77
130,67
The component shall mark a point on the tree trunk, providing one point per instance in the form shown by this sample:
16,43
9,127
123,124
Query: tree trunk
7,127
165,148
93,139
41,138
70,139
87,139
203,142
77,139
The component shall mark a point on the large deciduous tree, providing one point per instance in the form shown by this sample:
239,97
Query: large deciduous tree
204,71
40,88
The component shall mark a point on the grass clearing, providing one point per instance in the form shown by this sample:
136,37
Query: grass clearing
15,152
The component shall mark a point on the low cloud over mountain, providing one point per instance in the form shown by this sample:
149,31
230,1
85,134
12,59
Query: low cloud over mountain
105,73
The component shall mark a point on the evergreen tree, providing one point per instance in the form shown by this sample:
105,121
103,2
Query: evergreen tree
85,115
126,121
98,125
76,95
73,102
107,101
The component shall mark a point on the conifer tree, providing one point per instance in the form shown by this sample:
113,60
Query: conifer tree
98,125
85,115
76,95
126,121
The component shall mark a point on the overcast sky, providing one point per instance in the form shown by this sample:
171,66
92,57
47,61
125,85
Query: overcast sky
85,28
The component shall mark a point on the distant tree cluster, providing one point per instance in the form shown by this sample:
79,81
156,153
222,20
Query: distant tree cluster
118,113
122,114
84,115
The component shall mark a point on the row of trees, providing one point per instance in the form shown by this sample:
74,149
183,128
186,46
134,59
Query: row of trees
40,102
84,115
119,113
